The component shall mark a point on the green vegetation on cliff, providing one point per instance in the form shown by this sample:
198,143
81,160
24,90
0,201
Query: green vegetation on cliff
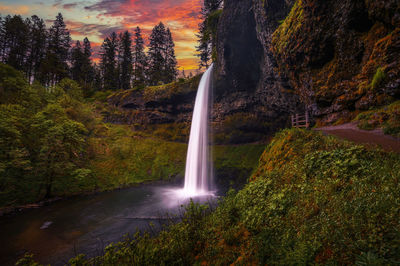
314,199
340,56
288,28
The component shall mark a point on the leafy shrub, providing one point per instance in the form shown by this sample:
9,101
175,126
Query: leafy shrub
102,96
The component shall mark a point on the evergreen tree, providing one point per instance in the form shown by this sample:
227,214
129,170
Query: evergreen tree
55,67
87,69
162,61
109,62
139,60
170,60
204,48
205,37
81,66
211,6
156,54
77,58
97,77
2,42
125,60
36,47
15,34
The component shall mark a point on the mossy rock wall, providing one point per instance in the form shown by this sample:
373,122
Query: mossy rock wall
163,104
341,57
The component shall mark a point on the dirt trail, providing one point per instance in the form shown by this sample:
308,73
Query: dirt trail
351,132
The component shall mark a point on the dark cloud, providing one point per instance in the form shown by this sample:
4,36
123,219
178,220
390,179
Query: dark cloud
107,31
110,6
57,3
70,6
87,29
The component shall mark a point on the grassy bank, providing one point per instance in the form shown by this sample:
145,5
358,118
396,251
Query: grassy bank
387,118
313,199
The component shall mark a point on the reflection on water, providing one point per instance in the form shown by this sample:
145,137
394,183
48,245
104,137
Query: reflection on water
64,229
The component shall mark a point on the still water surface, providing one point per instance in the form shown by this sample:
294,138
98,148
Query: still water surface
85,224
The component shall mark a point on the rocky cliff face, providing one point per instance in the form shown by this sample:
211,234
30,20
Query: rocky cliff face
246,83
170,103
341,57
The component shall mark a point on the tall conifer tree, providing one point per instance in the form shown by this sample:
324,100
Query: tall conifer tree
125,58
15,34
87,67
162,61
36,47
109,62
77,58
156,54
170,60
55,67
1,38
139,60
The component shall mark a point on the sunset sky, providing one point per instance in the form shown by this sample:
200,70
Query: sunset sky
98,18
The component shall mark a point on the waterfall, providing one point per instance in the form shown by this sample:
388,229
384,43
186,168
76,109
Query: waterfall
198,173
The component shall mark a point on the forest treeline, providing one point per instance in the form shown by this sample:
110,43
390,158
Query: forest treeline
47,55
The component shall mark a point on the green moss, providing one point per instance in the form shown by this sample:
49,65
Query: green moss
170,132
378,78
241,128
212,22
124,157
288,28
170,90
234,164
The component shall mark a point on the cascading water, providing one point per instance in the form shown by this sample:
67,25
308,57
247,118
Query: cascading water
198,173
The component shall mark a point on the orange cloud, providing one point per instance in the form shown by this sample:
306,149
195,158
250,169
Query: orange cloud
188,63
14,9
181,16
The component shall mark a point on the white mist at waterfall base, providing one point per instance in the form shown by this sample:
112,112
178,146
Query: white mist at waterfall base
198,172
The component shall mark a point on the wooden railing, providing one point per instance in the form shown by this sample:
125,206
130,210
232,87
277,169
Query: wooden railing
301,120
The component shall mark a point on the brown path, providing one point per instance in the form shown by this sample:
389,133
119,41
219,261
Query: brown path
374,137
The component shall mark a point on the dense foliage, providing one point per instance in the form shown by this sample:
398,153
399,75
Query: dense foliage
313,200
48,141
43,137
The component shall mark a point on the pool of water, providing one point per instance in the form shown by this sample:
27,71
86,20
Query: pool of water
86,224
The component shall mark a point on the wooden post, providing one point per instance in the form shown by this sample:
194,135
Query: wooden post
297,120
307,122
